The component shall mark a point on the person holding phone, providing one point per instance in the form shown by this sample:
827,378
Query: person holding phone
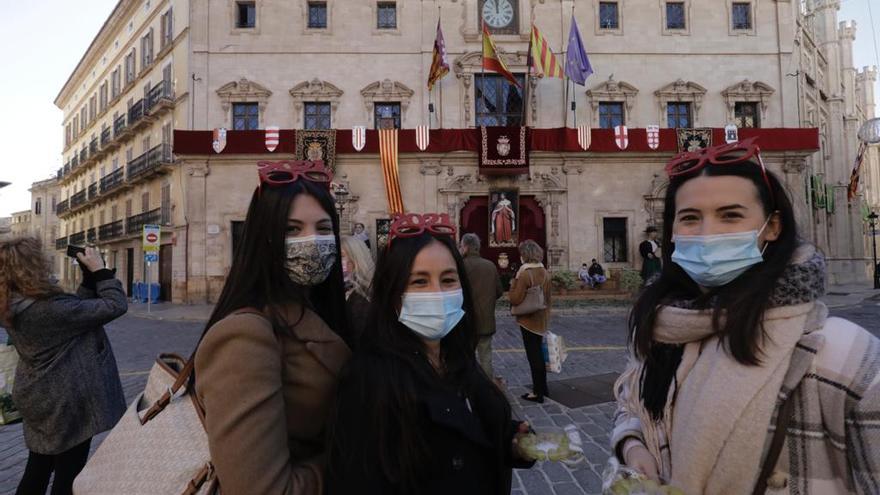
67,384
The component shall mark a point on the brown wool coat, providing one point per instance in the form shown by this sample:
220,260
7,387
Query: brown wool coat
266,396
537,322
486,289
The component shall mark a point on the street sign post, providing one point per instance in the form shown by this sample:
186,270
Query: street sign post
151,237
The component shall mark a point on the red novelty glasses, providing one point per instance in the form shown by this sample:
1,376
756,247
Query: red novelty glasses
290,171
413,225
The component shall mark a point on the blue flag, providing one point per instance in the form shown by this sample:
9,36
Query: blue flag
577,64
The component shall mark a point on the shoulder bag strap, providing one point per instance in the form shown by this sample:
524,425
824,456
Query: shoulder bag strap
786,411
185,375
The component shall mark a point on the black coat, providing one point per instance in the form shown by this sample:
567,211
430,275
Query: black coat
356,307
469,436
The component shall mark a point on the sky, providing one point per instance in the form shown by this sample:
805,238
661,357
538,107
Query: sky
42,41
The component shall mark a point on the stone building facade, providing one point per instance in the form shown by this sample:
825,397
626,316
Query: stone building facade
333,64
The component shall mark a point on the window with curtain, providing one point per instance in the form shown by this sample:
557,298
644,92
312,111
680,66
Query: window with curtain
498,102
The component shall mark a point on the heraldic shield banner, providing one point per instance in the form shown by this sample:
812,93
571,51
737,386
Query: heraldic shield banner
504,150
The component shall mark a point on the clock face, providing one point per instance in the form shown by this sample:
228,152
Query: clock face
498,13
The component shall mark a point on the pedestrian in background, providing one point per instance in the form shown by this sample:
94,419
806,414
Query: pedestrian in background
267,365
67,384
357,271
486,290
533,326
584,276
415,414
360,233
649,251
596,274
739,381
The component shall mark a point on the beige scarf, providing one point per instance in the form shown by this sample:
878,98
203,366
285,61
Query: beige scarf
721,411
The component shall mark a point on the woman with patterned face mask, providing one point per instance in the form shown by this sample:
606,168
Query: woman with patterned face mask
415,414
267,365
739,381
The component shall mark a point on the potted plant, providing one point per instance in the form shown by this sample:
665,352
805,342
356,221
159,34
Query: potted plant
563,281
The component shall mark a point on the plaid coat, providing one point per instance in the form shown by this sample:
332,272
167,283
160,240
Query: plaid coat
832,445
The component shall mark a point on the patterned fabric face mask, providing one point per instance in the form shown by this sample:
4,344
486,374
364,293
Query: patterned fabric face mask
310,259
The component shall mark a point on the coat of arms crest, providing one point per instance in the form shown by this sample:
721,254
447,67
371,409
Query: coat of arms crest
503,145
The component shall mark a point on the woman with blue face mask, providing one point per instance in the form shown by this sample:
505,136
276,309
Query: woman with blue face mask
739,381
415,413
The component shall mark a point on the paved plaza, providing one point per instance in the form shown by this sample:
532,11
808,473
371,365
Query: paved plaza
595,336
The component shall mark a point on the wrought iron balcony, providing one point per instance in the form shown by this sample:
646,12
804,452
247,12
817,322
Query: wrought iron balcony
93,146
136,223
74,162
78,199
93,190
61,243
113,180
62,207
161,92
83,155
78,239
91,235
136,112
66,168
106,136
119,126
60,173
110,231
150,161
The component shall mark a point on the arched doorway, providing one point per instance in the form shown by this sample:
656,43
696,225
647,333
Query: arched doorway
475,219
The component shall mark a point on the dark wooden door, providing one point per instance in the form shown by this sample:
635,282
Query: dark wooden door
165,272
129,270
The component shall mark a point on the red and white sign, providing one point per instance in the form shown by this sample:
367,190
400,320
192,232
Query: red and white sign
272,137
423,137
621,136
358,137
653,136
585,136
151,235
219,139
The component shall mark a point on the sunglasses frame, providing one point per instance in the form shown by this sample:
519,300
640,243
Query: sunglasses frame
407,225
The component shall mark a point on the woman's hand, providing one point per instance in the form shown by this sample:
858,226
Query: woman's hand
91,260
521,431
639,458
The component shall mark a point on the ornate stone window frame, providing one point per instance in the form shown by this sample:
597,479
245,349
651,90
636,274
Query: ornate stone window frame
244,91
306,30
687,19
315,90
742,32
233,12
470,21
470,63
614,92
681,91
599,30
747,91
374,19
387,91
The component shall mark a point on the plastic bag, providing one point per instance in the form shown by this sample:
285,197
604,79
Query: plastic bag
618,479
558,445
555,352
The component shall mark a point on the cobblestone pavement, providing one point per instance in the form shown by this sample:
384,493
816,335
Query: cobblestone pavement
596,340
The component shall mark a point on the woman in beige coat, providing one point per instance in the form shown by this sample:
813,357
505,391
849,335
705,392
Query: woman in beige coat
533,325
267,366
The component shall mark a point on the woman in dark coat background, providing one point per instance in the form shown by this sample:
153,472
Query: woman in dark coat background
415,414
67,385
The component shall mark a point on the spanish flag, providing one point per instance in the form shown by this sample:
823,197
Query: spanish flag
544,61
491,60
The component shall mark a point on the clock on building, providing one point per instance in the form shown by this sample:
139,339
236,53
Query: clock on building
500,15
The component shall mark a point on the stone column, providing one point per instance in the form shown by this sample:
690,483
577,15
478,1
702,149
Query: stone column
196,242
795,181
430,170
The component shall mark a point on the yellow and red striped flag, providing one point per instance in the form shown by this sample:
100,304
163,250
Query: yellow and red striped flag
390,171
544,61
491,60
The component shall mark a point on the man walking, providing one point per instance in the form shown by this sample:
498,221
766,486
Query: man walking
486,288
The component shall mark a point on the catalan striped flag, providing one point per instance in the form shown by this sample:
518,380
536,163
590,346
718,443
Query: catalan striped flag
390,170
491,60
544,61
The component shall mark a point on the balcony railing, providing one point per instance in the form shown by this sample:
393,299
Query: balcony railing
160,91
135,223
93,146
112,180
93,190
61,207
83,155
78,199
91,235
74,162
66,168
61,243
111,230
60,173
136,112
119,125
106,136
78,239
151,160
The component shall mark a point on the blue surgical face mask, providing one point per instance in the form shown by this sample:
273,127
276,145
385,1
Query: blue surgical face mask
716,260
432,315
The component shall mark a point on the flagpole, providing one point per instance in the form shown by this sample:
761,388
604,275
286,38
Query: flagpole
525,108
438,110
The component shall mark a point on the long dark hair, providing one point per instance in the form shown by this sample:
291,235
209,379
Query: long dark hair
398,369
258,277
747,297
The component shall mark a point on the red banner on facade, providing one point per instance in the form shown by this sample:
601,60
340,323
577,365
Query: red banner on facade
504,150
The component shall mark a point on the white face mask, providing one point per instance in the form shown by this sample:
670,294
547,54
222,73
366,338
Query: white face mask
432,315
716,260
